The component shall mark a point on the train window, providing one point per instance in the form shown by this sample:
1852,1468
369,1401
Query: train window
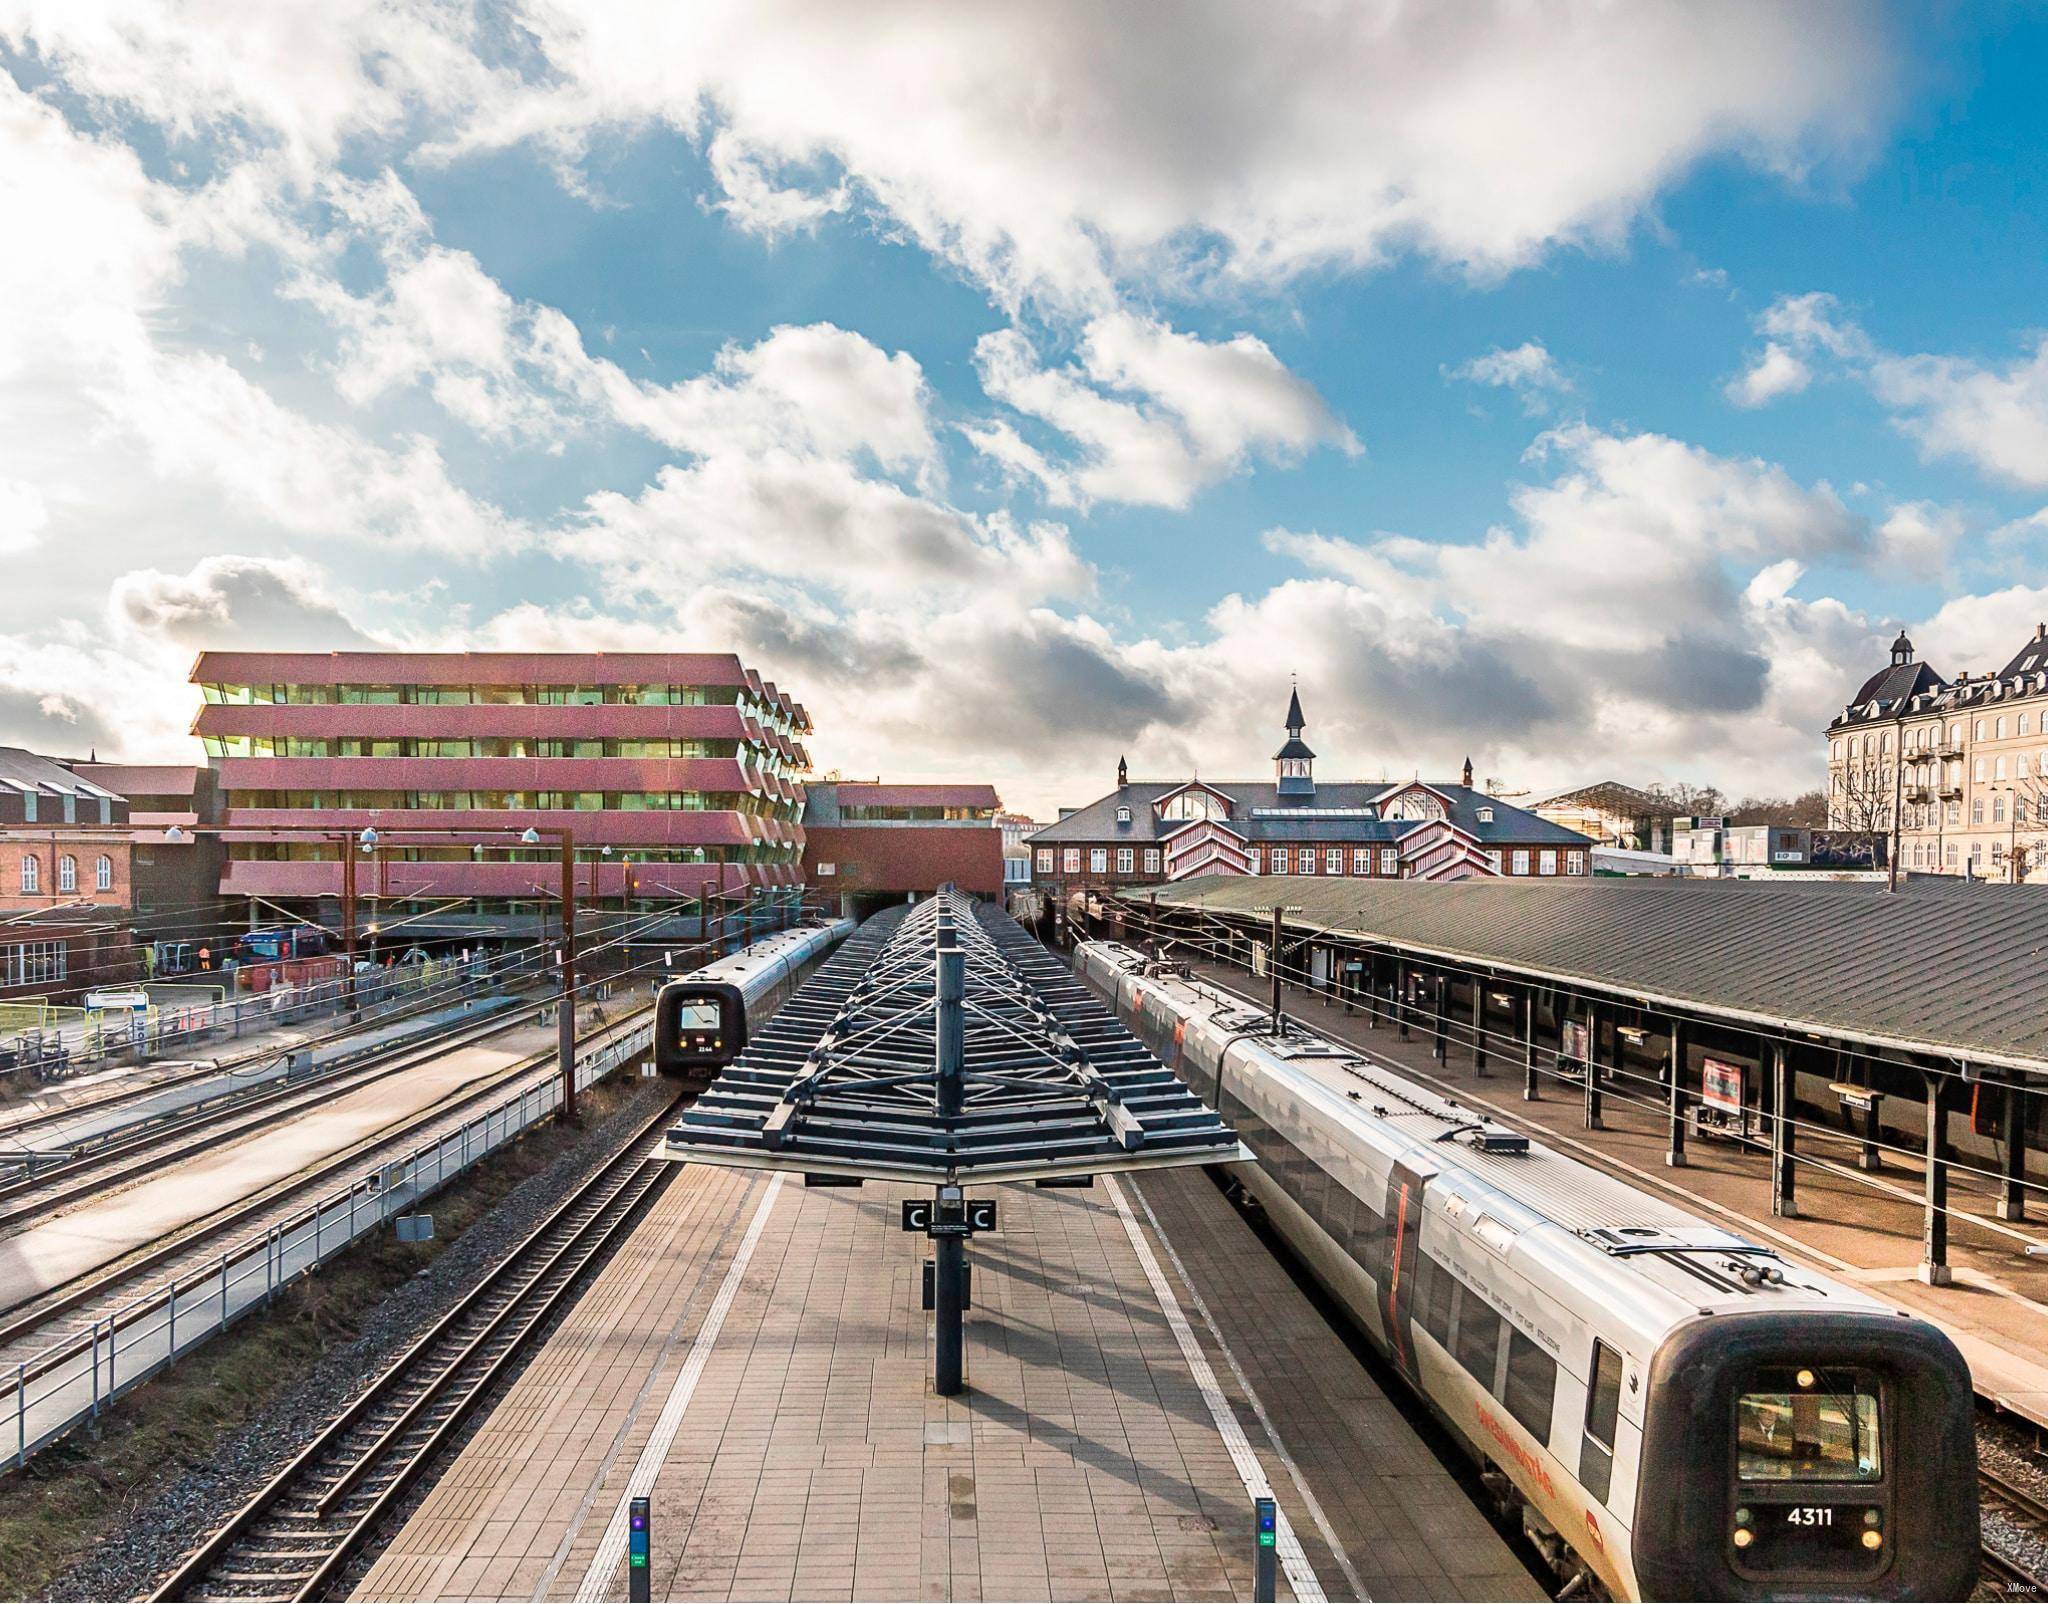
1532,1384
1337,1221
1801,1425
1603,1416
701,1013
1478,1338
1368,1233
1437,1287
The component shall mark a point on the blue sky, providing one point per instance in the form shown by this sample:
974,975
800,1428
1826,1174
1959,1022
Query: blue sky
1590,389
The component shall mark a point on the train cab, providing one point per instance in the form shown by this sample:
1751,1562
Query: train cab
700,1026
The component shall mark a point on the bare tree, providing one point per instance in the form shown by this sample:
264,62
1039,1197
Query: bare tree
1683,797
1862,810
1808,810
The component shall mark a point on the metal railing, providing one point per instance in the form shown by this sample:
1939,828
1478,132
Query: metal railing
73,1379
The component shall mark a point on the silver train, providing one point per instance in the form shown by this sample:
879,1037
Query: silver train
700,1019
1678,1412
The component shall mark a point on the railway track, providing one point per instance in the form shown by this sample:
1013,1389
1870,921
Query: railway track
2023,1509
34,1196
296,1537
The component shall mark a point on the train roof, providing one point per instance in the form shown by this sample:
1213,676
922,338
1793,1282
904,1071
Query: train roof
1560,1218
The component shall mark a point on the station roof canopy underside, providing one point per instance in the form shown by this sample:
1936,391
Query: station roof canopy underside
1937,968
843,1081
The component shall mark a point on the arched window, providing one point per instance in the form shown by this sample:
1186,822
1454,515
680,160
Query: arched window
67,873
31,874
103,874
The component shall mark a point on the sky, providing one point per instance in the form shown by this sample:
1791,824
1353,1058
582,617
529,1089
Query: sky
1589,389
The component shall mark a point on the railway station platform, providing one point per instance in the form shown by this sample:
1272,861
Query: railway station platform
755,1358
1861,1227
103,1230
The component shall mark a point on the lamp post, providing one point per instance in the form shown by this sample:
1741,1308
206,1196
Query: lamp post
565,1012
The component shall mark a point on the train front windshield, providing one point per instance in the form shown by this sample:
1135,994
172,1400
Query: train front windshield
1808,1426
697,1015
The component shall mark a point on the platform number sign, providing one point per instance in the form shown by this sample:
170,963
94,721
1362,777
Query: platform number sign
1265,1556
639,1581
963,1217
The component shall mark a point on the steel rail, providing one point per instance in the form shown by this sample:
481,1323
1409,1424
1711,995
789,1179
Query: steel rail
2028,1510
316,1513
84,1291
151,1144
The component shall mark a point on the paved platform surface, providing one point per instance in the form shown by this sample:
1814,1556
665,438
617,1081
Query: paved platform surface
103,1230
755,1357
1996,1310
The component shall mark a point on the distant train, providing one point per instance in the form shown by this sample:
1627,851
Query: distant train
1674,1411
189,957
700,1019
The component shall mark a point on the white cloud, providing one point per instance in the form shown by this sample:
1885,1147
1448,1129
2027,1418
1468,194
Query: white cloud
23,516
1529,370
1917,538
1064,150
1155,415
1774,372
758,205
1989,414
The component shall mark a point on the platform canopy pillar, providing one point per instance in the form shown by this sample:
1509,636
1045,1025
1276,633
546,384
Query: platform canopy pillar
1675,1154
1531,1091
1401,979
2012,1181
1479,1026
1784,1133
1440,1011
1934,1266
1594,1020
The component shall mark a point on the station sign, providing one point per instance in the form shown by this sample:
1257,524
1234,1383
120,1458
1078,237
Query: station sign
1721,1085
957,1217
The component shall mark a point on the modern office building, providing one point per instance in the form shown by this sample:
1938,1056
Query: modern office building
678,774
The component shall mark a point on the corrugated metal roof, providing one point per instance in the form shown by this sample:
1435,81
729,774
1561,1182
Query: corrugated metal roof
1939,966
1258,812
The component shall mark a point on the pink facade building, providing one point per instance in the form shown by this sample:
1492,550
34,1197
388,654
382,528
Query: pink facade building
678,772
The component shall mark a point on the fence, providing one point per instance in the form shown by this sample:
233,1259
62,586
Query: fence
72,1040
72,1380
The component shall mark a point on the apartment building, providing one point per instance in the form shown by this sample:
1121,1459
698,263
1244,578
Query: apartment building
678,774
1955,770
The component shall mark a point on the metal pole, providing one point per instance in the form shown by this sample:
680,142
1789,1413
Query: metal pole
565,1017
2012,1191
950,1273
1934,1266
1784,1136
1676,1156
1592,1067
1440,1006
348,916
1478,1027
1273,967
1401,999
952,1022
1531,1091
950,1268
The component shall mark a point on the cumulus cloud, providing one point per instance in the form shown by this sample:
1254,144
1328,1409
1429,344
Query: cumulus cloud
1068,149
1153,415
1773,373
255,603
1529,370
1993,415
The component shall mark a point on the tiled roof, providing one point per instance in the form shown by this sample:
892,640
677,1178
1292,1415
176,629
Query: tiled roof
1841,959
23,770
1339,811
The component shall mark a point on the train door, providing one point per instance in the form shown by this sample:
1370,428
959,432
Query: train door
1398,1281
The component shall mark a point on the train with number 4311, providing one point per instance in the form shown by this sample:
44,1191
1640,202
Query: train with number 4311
1672,1410
701,1019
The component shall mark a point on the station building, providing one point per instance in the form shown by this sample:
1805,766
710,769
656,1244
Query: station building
677,772
1146,832
65,881
869,843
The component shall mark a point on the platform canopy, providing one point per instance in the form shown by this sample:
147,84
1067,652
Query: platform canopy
942,1044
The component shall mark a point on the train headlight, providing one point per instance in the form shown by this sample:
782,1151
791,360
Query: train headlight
1873,1539
1744,1537
1871,1517
1742,1516
1804,1378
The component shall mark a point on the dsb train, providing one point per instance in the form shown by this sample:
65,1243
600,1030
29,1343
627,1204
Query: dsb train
700,1019
1677,1412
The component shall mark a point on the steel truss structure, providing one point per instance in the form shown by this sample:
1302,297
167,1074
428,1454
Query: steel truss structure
943,1044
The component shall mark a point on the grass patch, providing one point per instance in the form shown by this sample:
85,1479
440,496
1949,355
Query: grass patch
81,1490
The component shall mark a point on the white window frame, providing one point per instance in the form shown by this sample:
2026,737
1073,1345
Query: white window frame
1257,858
1045,860
103,873
1305,860
1098,860
1521,860
1151,860
1546,861
1575,861
31,875
1126,860
1361,860
1280,864
1390,860
67,873
1333,860
1072,860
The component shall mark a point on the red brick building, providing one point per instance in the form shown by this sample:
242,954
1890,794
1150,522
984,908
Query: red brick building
1148,832
868,840
65,881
